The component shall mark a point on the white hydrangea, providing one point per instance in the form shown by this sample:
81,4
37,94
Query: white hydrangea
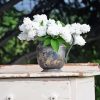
31,35
41,31
79,40
27,36
75,28
22,28
28,24
85,28
35,25
68,26
28,29
51,22
65,34
59,24
41,26
22,36
41,19
53,30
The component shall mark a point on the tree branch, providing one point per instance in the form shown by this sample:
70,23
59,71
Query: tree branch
7,36
44,7
93,39
7,6
25,58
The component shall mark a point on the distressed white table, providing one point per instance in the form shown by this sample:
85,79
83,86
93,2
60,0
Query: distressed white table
27,82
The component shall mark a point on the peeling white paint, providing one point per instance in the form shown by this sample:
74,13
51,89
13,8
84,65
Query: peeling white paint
81,70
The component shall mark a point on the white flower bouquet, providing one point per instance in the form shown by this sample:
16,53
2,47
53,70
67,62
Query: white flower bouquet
52,33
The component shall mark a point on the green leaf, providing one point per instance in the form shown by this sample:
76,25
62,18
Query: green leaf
47,41
41,23
55,44
40,39
61,41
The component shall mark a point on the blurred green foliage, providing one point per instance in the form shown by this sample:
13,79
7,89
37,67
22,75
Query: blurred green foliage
13,48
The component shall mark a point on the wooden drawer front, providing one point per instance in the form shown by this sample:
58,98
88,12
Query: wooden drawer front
34,90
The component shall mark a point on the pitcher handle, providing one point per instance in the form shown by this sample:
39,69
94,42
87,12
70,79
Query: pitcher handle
67,52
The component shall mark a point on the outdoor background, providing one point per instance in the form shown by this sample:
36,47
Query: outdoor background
12,12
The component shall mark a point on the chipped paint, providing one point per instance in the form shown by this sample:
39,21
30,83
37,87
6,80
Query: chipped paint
78,70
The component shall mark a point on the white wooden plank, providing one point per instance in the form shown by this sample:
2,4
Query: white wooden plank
81,70
84,89
29,89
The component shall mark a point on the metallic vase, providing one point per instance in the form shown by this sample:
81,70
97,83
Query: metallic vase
50,60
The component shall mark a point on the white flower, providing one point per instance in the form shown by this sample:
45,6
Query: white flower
53,30
41,31
35,25
51,22
40,19
41,26
22,28
85,28
65,34
59,24
67,38
79,40
31,34
27,36
75,28
28,30
22,36
68,26
28,24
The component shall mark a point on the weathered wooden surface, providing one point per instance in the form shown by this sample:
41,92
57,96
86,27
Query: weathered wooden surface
83,88
81,70
27,82
69,88
29,89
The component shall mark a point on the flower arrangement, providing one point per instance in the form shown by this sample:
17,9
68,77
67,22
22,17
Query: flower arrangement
52,33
